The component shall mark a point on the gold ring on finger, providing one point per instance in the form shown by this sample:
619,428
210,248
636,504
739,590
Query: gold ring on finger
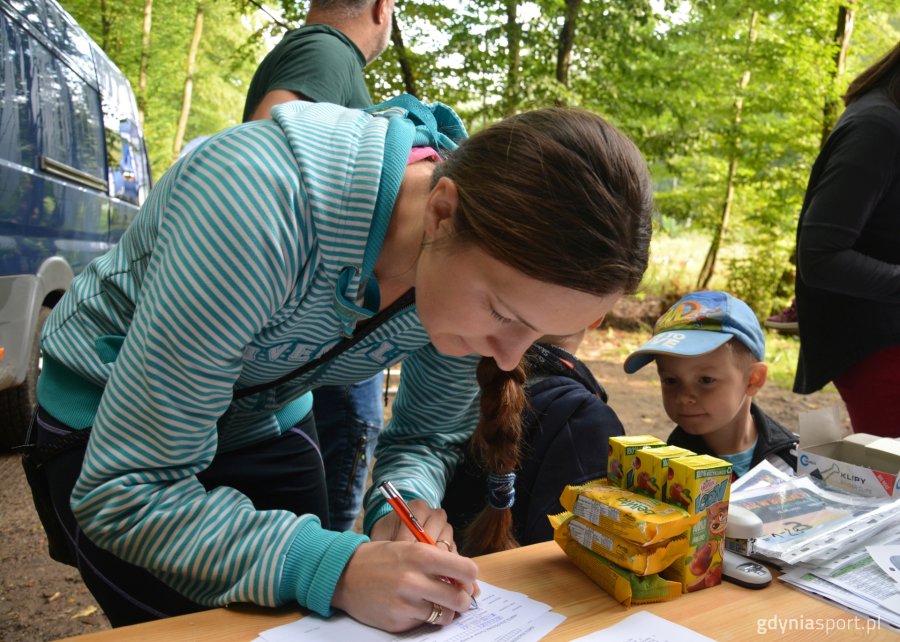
436,612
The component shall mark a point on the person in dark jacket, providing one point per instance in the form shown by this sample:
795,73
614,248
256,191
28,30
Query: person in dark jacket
848,256
566,426
710,354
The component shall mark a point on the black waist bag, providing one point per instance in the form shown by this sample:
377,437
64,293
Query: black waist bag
34,458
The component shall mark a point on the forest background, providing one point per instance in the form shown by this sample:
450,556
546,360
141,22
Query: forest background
729,100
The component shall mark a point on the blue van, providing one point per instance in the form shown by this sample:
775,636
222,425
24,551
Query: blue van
73,173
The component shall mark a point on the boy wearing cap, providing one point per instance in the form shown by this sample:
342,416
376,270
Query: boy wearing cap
709,350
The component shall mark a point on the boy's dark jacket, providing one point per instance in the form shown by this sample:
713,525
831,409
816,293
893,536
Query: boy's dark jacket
566,428
772,440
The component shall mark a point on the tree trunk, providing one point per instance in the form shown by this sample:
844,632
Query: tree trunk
188,82
566,42
145,60
709,265
105,26
842,34
514,72
406,66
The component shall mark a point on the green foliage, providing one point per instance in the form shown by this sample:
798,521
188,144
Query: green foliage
757,279
667,73
426,28
782,352
674,263
225,64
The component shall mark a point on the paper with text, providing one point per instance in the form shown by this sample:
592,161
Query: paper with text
501,615
888,558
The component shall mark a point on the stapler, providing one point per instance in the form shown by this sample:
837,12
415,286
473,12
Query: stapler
743,526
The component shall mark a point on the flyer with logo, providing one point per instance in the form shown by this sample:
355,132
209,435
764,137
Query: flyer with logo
803,522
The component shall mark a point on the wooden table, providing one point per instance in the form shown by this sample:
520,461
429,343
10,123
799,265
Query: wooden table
543,572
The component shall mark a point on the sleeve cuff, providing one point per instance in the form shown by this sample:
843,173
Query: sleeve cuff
373,515
314,564
377,507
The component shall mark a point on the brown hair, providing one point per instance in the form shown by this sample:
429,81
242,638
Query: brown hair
496,445
565,198
741,353
885,70
558,194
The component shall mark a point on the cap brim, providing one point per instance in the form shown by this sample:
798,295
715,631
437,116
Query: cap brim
690,343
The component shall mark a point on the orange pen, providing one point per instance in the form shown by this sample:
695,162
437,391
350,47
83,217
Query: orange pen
409,519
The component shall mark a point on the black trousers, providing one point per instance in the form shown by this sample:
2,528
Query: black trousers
283,473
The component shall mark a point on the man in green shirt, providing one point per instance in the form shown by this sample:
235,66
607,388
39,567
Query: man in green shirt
323,60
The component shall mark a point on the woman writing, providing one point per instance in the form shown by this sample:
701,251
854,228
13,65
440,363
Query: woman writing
253,257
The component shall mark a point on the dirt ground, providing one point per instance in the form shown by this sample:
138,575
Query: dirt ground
43,600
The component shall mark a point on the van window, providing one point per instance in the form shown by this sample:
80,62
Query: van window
32,11
70,113
17,126
125,172
129,175
48,99
69,39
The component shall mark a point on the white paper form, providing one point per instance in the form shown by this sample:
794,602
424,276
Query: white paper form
886,538
847,600
864,578
853,581
645,627
888,558
501,615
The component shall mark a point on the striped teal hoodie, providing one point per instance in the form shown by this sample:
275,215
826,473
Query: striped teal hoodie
242,265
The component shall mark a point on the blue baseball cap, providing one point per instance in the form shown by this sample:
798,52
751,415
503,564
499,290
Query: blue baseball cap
699,323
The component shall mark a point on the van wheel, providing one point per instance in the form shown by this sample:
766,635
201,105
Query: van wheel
18,404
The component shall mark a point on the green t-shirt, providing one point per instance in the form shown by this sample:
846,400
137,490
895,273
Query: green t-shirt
316,61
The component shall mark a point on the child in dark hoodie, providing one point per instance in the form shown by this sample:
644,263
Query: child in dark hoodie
566,426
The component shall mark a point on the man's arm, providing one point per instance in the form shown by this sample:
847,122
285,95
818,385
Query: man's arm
275,97
318,64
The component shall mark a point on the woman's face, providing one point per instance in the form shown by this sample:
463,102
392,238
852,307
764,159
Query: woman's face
471,303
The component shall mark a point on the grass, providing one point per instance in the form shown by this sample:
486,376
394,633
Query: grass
675,263
781,355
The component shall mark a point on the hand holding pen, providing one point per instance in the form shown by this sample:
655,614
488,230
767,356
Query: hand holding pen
401,508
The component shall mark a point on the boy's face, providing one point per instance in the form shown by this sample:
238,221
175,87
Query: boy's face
708,393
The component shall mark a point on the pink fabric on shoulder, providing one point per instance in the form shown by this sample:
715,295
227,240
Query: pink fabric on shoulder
423,153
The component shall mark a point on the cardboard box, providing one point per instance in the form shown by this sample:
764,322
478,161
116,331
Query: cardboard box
619,464
862,464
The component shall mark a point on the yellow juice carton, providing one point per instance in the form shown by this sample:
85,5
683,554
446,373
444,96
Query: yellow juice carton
651,470
701,484
621,455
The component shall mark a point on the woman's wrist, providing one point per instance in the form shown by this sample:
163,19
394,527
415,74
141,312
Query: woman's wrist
314,563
